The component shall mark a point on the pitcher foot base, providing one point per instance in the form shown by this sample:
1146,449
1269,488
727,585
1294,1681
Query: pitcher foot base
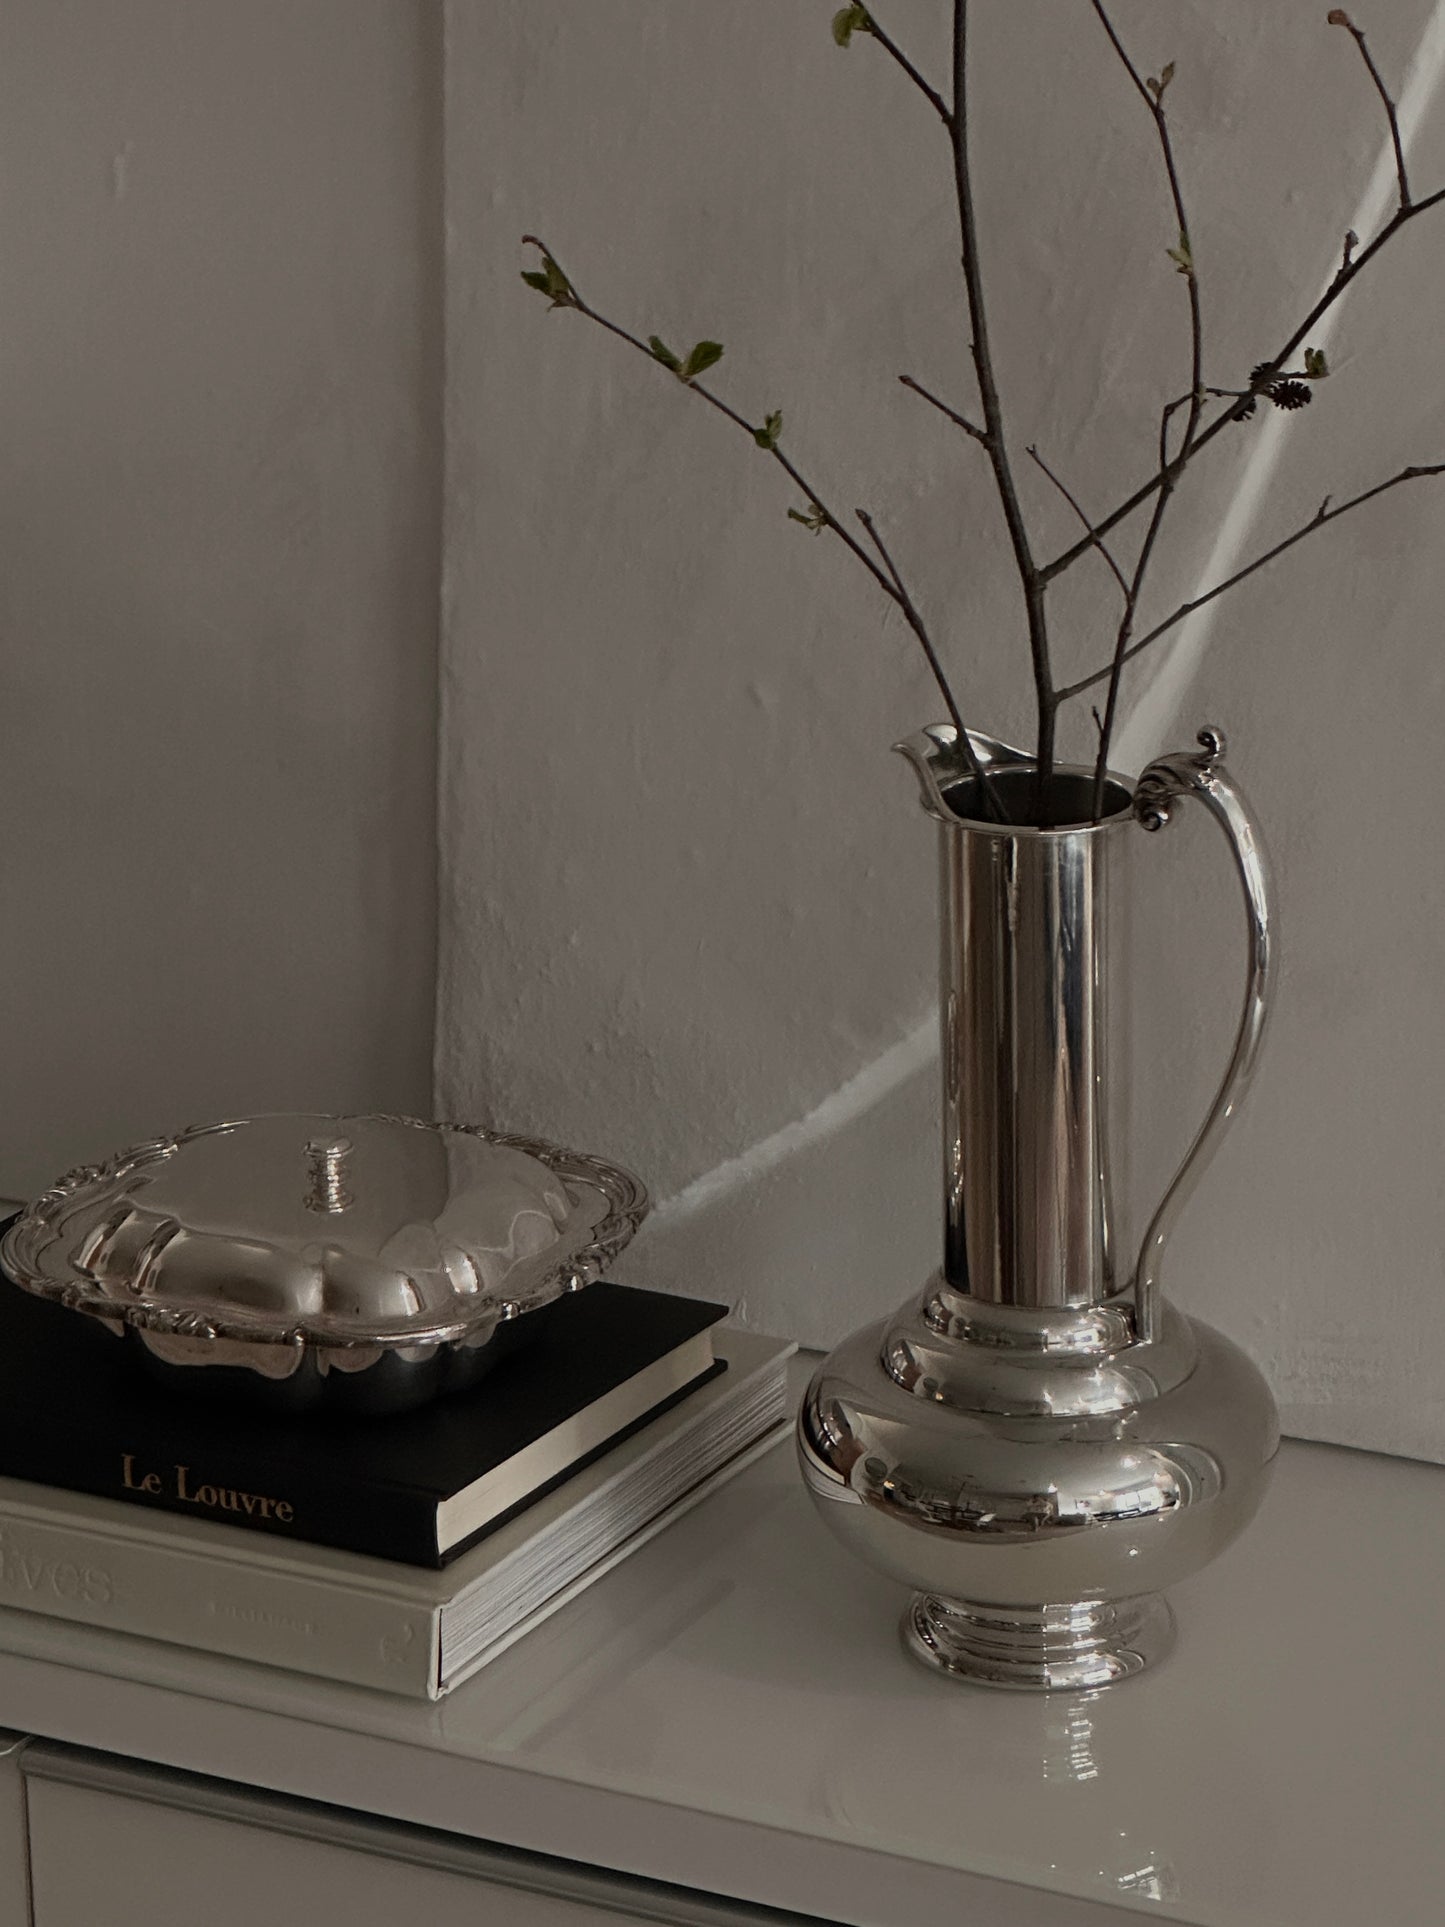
1039,1649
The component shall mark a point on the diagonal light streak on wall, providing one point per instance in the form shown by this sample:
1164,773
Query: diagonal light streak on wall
867,1088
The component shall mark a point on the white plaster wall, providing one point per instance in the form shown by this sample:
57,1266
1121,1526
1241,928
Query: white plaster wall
687,900
219,470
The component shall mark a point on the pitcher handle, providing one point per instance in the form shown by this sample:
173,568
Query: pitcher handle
1204,775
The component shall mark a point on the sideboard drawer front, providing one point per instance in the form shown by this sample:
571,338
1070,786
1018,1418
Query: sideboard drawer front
117,1843
106,1860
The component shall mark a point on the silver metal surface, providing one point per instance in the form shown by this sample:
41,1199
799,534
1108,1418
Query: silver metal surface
1041,1443
1204,776
1026,1523
326,1160
1060,1648
368,1261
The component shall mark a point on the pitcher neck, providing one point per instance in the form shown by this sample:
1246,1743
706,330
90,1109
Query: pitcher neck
1024,922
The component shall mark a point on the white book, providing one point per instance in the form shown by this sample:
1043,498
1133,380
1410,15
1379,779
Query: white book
342,1615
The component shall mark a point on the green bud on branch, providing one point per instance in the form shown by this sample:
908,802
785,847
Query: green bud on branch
701,356
550,280
1316,367
1182,256
767,435
849,21
815,519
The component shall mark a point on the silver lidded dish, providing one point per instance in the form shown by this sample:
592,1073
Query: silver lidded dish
363,1264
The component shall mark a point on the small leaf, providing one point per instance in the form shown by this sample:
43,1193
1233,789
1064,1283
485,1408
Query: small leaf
1316,367
550,280
661,352
767,435
1182,256
848,21
704,355
815,519
1156,87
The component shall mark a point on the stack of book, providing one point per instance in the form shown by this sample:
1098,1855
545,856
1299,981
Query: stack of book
400,1552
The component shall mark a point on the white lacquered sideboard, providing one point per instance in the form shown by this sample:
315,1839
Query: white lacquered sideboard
725,1730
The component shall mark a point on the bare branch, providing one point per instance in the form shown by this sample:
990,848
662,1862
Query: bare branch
1152,93
890,46
995,443
887,578
961,421
916,623
830,521
1268,378
1153,97
1337,17
1072,501
1171,471
1322,516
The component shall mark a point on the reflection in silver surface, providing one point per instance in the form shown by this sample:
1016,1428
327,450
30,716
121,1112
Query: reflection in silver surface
1049,1783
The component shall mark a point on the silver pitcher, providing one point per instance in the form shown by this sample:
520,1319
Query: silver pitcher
1041,1443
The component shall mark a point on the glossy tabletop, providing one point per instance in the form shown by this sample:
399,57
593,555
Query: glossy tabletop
731,1709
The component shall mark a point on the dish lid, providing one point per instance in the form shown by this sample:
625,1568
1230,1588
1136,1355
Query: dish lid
325,1229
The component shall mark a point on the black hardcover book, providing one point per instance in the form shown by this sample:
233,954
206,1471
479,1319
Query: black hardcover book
76,1410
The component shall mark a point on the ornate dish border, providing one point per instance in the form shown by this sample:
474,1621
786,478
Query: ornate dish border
575,1266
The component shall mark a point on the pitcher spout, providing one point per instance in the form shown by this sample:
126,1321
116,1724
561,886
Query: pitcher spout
940,764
